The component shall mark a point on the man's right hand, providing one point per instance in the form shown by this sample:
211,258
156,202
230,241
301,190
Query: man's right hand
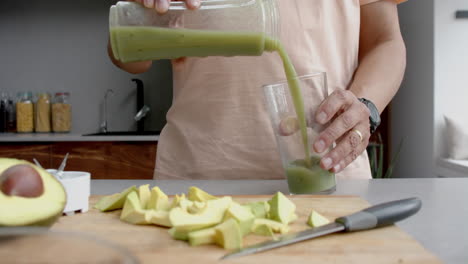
161,6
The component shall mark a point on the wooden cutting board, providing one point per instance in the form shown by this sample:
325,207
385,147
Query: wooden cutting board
152,244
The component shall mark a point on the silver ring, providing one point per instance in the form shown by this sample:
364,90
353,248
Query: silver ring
358,133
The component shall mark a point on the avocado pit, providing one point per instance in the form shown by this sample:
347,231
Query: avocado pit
21,180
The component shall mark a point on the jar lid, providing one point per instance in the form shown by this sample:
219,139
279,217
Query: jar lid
24,94
62,93
43,94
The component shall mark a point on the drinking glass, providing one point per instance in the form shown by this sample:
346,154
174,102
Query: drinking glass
300,162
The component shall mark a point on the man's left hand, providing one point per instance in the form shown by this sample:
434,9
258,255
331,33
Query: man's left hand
349,127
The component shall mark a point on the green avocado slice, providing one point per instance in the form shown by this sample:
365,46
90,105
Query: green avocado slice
242,215
263,230
158,200
282,209
259,209
228,234
202,237
114,201
38,211
274,225
144,195
210,216
316,219
197,194
132,211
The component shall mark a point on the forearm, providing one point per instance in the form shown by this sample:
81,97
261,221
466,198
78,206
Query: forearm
380,72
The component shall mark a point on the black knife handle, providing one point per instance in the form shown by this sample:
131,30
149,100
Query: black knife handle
381,214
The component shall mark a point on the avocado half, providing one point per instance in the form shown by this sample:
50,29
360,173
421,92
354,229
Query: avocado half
42,210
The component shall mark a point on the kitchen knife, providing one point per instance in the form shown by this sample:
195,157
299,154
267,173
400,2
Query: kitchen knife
376,216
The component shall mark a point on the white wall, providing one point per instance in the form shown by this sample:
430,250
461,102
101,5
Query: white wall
53,45
436,82
451,67
413,107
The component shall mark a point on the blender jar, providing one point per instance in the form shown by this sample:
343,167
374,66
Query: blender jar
218,28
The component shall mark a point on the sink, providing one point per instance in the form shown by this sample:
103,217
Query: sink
126,133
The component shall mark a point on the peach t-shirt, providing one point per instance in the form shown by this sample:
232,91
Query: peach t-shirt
218,126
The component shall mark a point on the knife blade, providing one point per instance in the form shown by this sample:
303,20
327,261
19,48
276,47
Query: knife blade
375,216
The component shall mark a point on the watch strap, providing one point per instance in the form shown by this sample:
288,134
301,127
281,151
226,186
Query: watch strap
374,117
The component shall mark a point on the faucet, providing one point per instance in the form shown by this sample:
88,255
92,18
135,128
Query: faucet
142,110
104,123
142,113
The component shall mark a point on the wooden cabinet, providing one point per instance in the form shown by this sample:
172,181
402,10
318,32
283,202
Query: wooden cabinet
27,151
104,160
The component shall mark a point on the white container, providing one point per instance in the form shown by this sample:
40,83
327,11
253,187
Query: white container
77,185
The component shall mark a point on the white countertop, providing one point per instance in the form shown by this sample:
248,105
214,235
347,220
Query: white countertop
58,137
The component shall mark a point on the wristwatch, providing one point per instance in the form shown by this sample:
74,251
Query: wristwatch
374,117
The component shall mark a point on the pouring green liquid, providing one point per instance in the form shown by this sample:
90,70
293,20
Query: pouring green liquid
136,43
151,43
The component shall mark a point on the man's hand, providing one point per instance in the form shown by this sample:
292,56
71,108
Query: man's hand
349,127
161,6
382,61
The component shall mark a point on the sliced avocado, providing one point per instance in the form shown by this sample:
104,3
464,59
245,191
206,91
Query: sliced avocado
185,204
42,208
176,200
281,208
160,217
263,230
259,209
293,218
228,234
158,200
274,225
144,195
212,215
197,194
114,201
242,215
316,219
132,212
178,234
202,237
197,207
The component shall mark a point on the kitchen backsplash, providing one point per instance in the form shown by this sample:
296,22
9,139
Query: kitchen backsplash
60,46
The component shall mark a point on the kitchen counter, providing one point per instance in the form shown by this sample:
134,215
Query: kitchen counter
439,226
66,137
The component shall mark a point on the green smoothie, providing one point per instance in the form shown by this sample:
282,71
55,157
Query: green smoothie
304,179
295,91
131,44
139,43
136,43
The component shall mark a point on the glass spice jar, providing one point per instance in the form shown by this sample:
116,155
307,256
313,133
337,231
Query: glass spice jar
61,113
24,113
42,113
11,115
3,112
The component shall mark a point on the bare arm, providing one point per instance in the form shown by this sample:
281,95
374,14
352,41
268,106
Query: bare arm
382,61
382,54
